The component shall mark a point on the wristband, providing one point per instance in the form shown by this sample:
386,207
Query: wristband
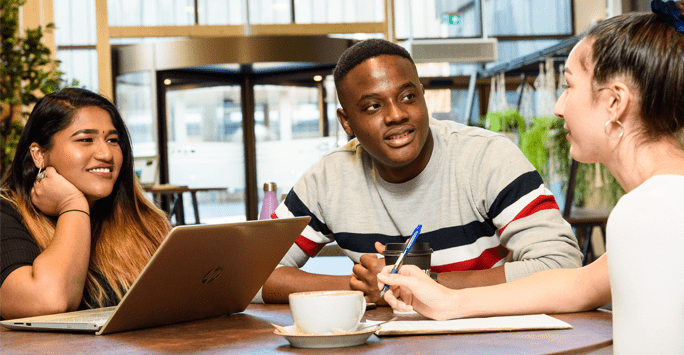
74,211
434,276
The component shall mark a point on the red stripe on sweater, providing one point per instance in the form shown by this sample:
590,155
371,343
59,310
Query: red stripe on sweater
309,247
543,202
485,261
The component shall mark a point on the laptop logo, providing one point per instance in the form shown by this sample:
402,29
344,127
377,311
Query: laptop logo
212,275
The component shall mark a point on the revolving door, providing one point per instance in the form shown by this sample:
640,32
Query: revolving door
232,113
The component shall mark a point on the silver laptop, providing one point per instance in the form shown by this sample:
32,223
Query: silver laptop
199,271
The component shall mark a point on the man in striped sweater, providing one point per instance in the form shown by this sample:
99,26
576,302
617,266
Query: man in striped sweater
484,208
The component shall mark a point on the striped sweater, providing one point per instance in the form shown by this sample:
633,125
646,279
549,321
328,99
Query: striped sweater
481,204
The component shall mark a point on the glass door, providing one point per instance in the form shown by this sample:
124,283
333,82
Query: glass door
206,150
289,138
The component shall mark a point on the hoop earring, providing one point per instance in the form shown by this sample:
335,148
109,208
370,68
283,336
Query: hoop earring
605,130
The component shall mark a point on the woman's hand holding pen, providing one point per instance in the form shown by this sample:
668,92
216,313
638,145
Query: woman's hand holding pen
54,194
411,289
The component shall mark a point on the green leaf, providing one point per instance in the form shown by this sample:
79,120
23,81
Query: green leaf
26,68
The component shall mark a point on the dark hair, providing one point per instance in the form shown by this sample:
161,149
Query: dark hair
126,228
651,53
363,50
53,113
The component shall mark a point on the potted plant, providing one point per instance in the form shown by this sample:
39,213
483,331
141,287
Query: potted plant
26,71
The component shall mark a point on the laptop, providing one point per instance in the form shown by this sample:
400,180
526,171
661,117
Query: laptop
199,271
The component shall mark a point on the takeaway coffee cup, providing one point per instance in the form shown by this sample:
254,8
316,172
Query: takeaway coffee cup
327,312
419,255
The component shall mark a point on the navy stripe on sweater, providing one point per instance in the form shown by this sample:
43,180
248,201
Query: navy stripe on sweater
521,186
298,208
440,239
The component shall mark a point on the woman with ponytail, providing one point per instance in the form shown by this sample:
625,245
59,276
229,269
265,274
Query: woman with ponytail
76,227
623,107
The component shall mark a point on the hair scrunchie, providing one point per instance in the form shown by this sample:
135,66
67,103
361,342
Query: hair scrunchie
668,12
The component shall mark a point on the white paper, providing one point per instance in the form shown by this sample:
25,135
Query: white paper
472,325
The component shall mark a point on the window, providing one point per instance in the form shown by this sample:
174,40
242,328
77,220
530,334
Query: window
150,12
437,18
269,12
221,12
75,37
134,101
462,18
528,17
339,11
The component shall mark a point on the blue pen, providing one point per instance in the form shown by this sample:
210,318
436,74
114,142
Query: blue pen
400,260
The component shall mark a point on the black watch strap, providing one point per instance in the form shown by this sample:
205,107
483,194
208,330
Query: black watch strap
434,276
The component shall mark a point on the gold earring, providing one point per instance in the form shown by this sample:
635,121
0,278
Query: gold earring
605,129
41,175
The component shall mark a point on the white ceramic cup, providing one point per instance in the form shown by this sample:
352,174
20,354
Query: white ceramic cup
327,312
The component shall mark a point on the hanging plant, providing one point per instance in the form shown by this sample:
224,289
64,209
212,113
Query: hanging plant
544,143
587,183
533,144
505,121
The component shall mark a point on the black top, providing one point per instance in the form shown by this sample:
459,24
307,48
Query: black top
18,248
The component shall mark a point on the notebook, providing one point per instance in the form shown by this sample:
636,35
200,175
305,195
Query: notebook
472,325
199,271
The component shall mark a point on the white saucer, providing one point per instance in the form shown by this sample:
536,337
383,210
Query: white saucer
341,340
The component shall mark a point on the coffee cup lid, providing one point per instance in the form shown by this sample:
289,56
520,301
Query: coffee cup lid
417,247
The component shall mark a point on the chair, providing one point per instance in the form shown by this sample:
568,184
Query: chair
582,219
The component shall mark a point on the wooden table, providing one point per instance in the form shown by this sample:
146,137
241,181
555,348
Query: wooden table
252,332
177,203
